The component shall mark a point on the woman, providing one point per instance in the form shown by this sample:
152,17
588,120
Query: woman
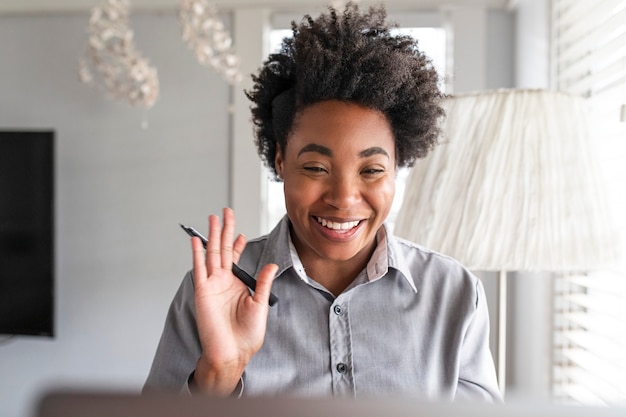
361,312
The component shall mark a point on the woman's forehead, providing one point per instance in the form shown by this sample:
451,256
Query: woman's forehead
333,124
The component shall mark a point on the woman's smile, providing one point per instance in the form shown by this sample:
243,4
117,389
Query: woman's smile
338,231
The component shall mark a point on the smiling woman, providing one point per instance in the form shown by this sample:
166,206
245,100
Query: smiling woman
337,111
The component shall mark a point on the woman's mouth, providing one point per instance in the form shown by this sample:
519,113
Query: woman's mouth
337,226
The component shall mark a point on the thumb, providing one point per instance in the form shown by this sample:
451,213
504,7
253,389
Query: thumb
264,283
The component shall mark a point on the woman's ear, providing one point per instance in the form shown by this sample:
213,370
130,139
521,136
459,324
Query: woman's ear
279,161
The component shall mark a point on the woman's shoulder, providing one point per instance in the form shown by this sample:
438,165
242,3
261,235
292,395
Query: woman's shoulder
427,266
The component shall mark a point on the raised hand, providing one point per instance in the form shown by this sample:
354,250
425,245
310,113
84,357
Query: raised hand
231,322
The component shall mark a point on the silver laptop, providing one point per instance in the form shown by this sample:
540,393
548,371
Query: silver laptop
111,404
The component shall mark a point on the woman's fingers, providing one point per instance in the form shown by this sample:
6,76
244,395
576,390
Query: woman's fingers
199,260
238,247
264,283
213,248
221,251
228,231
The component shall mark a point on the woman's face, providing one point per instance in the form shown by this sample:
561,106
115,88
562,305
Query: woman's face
339,172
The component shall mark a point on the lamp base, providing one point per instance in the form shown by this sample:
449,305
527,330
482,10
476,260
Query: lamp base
502,314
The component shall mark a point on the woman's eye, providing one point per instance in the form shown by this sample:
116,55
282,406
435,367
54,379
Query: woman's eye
373,171
315,169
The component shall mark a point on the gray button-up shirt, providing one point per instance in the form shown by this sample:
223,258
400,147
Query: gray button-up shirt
413,323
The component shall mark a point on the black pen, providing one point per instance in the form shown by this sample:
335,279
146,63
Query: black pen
238,272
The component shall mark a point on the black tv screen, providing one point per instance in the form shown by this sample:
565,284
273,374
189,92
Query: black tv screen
27,233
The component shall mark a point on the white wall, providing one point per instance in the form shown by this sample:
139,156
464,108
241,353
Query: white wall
121,190
120,193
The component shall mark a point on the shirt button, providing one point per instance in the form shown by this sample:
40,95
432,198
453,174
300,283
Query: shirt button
337,310
342,368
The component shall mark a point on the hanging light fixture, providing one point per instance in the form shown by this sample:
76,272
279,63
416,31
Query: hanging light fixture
112,63
205,34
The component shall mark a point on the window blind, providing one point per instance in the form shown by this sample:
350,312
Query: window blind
589,354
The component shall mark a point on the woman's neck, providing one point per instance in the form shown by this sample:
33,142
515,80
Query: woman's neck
334,275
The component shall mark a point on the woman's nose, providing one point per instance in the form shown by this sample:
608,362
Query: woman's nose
342,193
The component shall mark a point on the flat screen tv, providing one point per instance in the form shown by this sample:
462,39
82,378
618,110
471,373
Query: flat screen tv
27,233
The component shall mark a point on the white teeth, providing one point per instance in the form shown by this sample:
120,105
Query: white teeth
337,225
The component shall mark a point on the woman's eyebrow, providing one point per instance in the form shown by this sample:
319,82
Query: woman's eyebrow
313,147
376,150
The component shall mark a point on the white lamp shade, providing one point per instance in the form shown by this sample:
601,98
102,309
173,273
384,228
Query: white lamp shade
513,185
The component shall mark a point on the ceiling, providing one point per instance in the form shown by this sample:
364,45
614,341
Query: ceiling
63,6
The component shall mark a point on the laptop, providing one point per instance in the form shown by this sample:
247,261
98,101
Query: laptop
121,404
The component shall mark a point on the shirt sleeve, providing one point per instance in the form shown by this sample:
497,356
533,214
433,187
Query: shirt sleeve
190,388
477,376
179,347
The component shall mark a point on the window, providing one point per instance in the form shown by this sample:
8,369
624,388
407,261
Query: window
589,45
432,40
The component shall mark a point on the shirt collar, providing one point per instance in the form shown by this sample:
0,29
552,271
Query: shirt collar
277,248
281,251
395,258
387,256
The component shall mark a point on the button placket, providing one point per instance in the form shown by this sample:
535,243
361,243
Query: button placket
341,347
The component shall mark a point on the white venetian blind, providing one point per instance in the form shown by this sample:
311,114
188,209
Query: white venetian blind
589,44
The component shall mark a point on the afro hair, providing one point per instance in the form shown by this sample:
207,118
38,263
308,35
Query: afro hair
349,57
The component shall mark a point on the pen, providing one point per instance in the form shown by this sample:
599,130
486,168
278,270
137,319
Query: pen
238,272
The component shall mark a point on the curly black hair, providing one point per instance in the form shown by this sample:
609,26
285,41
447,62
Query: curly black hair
349,57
